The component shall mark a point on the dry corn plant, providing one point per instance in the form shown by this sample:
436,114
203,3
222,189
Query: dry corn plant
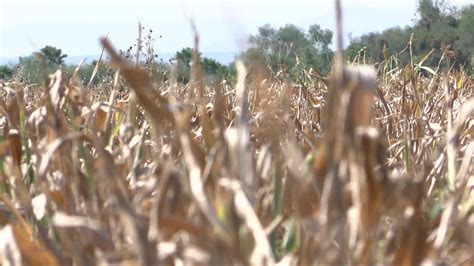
369,166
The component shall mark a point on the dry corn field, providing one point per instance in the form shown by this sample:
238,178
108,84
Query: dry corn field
372,165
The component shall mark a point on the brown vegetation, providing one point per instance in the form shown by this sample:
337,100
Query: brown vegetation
369,166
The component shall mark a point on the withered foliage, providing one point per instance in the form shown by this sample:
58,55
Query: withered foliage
370,166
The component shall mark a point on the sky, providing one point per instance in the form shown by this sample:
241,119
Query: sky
75,26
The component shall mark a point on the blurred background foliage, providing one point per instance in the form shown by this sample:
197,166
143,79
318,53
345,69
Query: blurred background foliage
439,28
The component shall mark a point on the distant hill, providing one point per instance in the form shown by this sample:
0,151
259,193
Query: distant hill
222,57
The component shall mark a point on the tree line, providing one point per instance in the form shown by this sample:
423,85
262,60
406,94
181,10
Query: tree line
440,30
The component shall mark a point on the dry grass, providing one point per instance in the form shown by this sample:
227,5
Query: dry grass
367,167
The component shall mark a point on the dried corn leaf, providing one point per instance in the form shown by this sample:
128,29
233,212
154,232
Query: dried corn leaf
18,247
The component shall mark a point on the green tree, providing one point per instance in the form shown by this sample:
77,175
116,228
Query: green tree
429,12
185,56
212,70
353,50
183,64
465,31
53,55
6,72
380,45
46,61
439,26
435,29
29,69
321,38
290,47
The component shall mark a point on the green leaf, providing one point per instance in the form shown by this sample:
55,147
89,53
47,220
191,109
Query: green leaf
290,242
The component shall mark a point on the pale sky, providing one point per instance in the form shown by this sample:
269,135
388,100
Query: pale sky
76,25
